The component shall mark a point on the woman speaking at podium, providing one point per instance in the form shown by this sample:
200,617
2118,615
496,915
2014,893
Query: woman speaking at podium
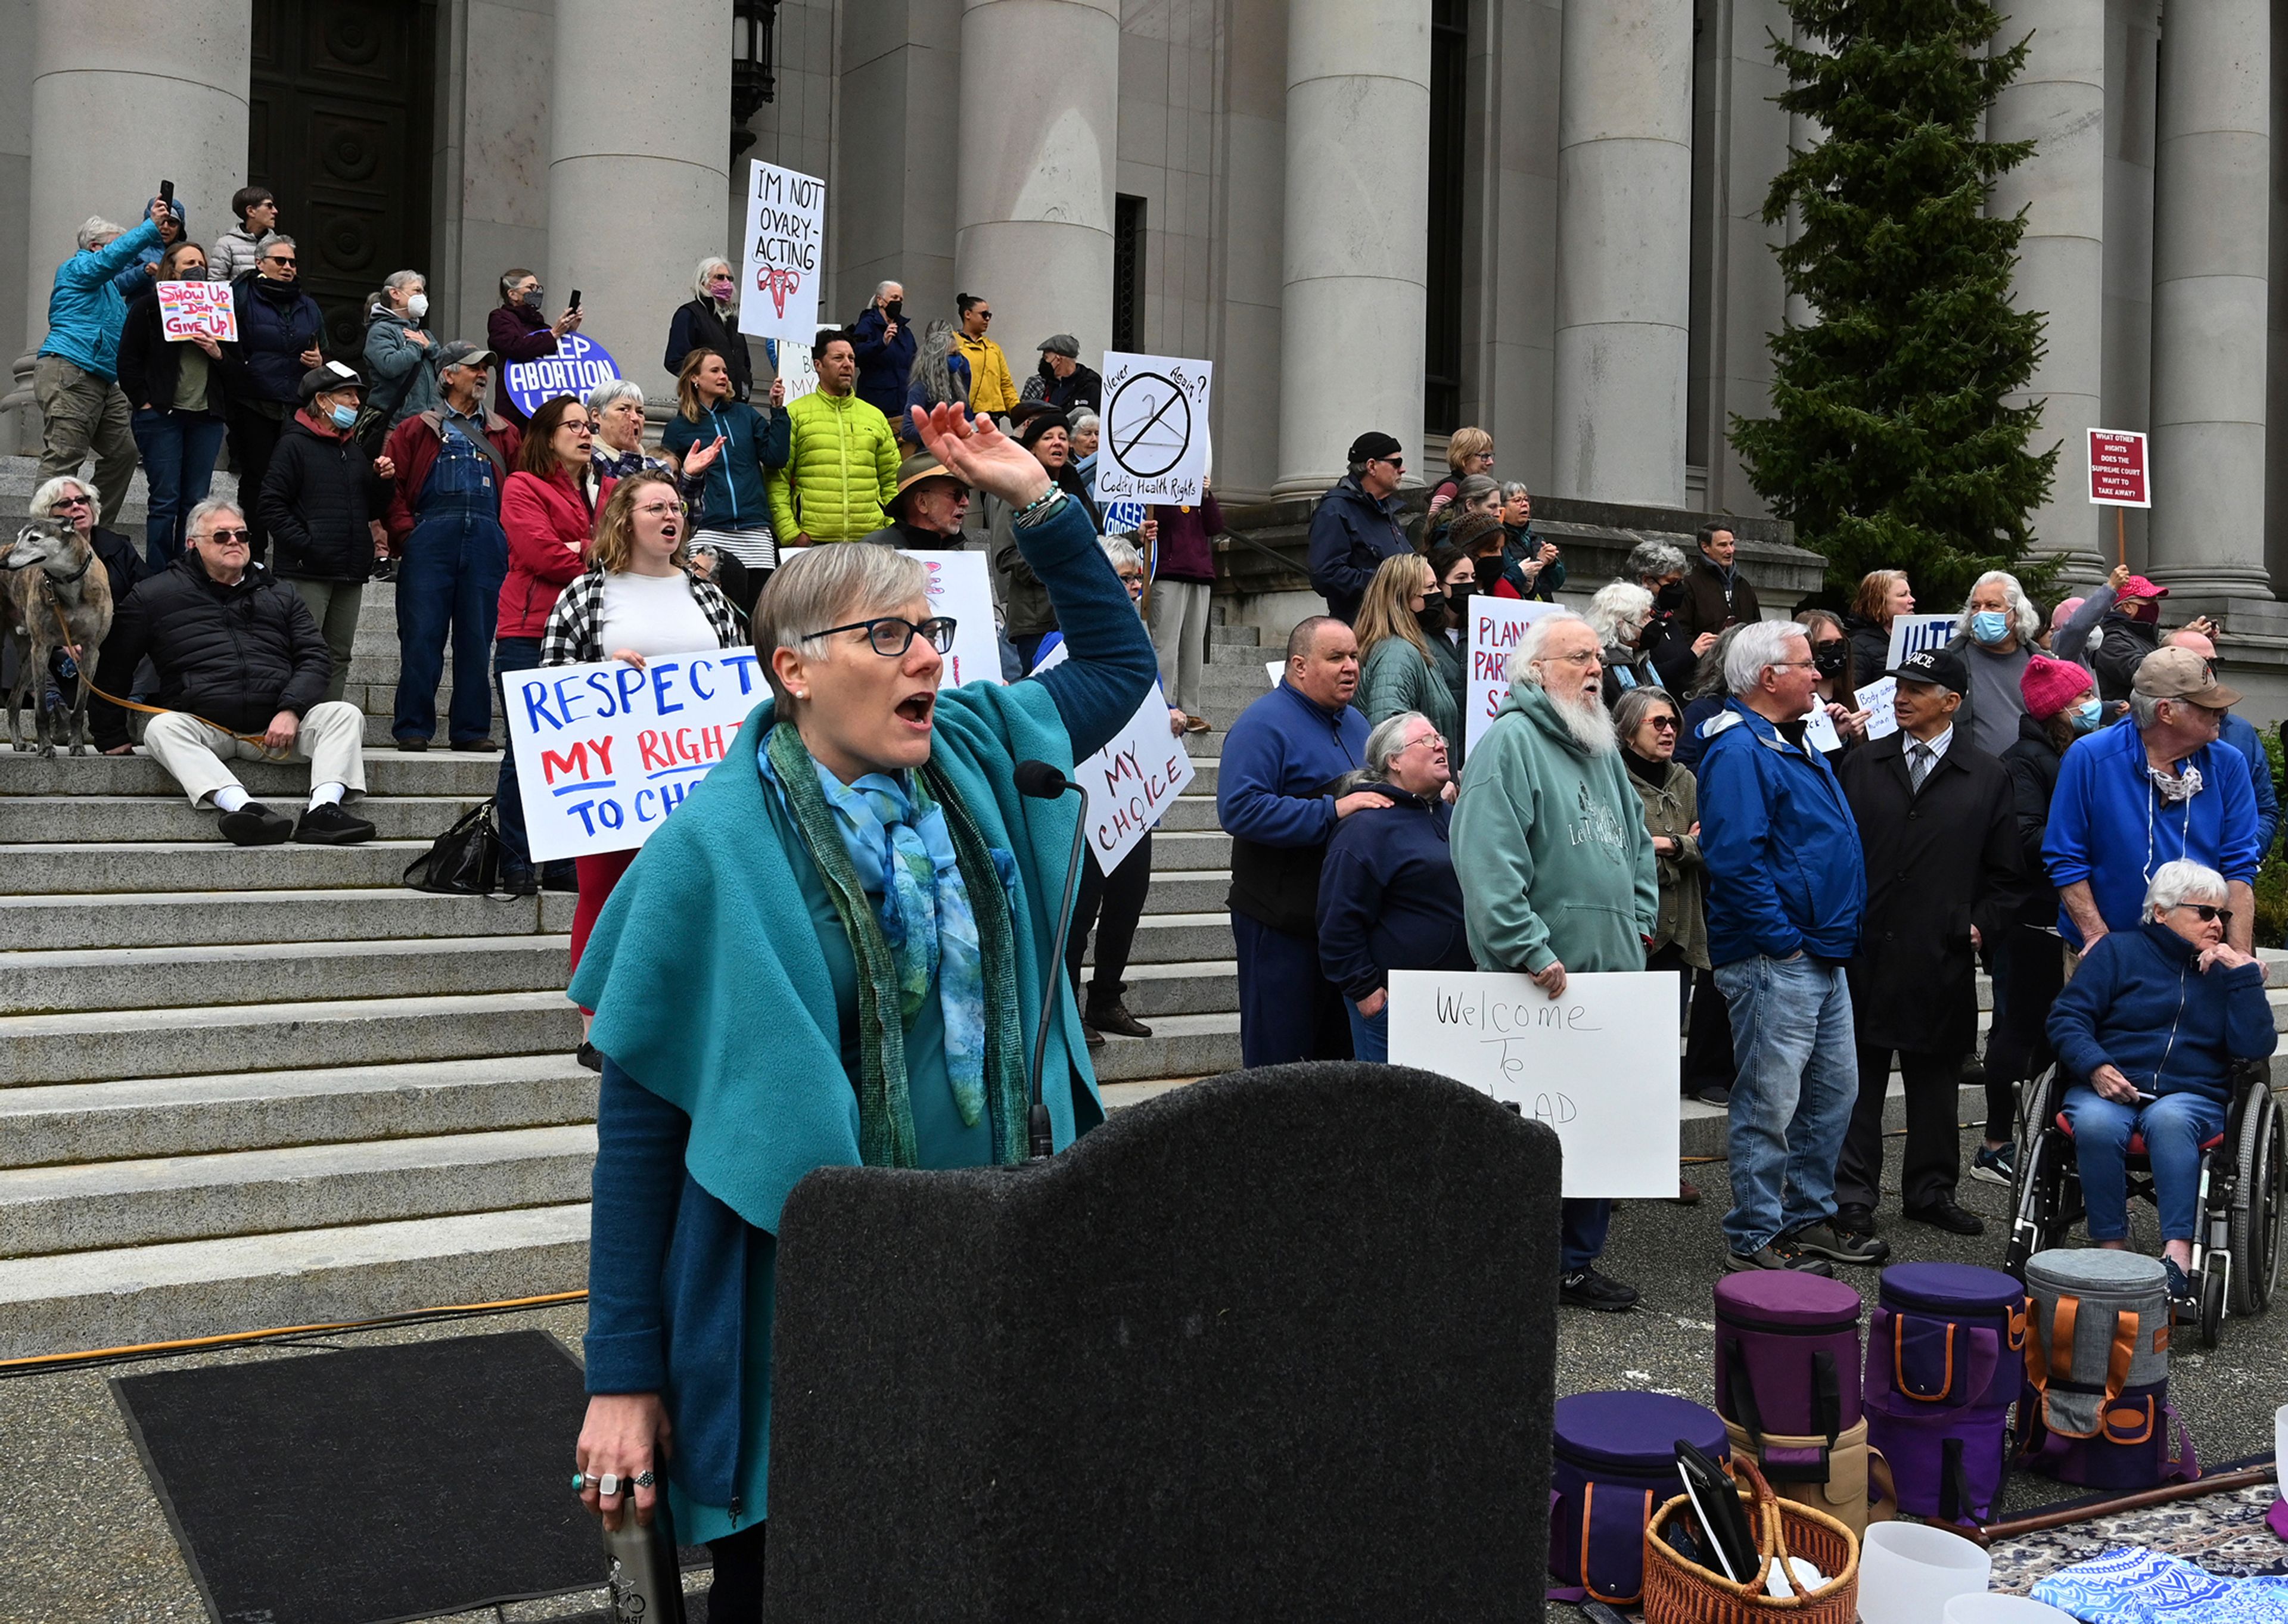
826,959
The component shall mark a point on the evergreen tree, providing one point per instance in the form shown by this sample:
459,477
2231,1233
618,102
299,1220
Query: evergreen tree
1888,445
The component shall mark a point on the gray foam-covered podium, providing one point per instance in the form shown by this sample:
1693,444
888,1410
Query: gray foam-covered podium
1276,1345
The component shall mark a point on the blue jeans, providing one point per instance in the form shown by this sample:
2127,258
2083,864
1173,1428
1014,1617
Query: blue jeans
179,461
1798,1077
1370,1034
513,654
2174,1126
450,576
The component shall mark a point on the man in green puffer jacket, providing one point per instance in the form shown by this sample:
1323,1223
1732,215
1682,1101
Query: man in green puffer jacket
1563,878
843,468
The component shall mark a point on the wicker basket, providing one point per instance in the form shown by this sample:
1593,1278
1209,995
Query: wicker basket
1680,1592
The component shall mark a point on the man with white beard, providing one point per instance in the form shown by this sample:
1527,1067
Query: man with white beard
1556,867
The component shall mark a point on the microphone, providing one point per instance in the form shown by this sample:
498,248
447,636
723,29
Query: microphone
1044,782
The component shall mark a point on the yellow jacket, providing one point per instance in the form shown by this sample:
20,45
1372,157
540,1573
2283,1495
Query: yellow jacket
991,389
842,467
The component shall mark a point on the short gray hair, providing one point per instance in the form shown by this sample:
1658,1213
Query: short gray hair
1383,743
1629,714
207,510
276,238
95,226
44,499
825,586
1476,487
2181,881
1650,561
1512,489
1120,552
402,279
1536,638
1620,604
1082,419
610,390
1757,648
2025,620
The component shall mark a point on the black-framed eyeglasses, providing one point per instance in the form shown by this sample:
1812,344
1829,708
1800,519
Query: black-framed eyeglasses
2206,911
892,634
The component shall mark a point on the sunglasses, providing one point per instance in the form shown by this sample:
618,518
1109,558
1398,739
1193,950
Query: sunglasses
275,259
2206,911
227,536
1662,725
72,501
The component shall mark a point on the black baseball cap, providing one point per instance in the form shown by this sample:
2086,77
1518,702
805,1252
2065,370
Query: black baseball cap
1940,667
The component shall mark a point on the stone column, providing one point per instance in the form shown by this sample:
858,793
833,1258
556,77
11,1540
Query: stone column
1624,250
176,74
2058,103
639,152
1357,229
2212,157
1040,91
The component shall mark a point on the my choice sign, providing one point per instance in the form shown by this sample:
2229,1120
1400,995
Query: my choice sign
579,364
1496,625
785,246
186,309
604,752
1132,780
1598,1063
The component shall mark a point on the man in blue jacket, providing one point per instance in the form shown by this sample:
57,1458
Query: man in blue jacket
2159,787
1356,526
1786,888
2240,733
75,377
1278,797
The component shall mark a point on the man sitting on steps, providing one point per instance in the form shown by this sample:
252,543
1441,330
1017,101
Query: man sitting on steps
243,670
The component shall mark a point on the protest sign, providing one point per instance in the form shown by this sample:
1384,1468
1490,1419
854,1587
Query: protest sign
1910,634
1122,517
1598,1063
186,309
1132,780
1276,669
784,254
1819,731
798,372
579,364
1155,442
1495,624
605,752
1875,699
959,587
2117,468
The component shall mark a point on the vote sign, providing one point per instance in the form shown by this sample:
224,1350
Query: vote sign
1911,634
1496,625
189,309
579,364
2116,469
1598,1063
1154,444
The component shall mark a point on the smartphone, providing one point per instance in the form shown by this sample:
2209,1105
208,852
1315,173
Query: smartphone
894,311
575,300
1717,1504
167,192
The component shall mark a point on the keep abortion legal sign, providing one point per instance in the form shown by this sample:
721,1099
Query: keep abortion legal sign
578,365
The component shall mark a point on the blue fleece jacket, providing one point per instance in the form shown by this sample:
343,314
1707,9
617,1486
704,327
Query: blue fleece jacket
1388,896
2241,733
1785,870
85,311
2140,1003
2109,826
737,498
1275,798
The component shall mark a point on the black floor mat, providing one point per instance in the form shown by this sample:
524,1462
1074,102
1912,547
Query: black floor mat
372,1484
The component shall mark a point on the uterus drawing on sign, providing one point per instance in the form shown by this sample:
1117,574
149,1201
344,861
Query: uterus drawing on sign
779,283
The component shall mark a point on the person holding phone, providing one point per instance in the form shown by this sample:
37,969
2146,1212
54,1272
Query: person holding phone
884,344
517,331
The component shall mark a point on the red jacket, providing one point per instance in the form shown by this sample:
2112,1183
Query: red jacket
412,446
549,525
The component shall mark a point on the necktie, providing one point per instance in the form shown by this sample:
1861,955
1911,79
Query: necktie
1919,765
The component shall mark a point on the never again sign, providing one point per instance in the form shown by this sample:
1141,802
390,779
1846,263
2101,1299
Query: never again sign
605,752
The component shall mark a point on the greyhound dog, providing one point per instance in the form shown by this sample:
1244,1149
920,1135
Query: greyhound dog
58,598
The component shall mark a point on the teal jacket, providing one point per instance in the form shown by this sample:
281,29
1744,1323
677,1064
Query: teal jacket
1395,678
85,311
1550,842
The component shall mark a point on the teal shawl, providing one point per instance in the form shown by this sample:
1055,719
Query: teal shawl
710,990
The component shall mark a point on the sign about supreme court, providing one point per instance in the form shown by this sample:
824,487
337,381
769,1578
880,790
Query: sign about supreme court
784,254
605,752
1495,624
188,309
960,587
579,364
1153,447
1910,634
1132,780
2116,469
1598,1063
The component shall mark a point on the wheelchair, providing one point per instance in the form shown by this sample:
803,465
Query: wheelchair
2244,1194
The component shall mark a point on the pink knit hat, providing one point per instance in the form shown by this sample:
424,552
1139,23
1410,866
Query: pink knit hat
2050,686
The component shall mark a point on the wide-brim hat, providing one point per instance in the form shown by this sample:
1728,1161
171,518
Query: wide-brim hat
921,466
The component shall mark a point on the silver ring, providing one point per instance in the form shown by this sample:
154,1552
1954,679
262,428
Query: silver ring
608,1485
644,1480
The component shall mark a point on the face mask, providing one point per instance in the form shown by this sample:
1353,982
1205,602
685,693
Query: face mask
418,307
1460,592
1670,597
1831,658
2145,609
720,288
2087,715
1990,625
342,416
1431,615
531,300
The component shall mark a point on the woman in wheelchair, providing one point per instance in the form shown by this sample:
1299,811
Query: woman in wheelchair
2151,1024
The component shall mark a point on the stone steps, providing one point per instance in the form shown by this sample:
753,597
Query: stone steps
115,819
276,972
149,919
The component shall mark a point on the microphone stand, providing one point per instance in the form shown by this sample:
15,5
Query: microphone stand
1041,1140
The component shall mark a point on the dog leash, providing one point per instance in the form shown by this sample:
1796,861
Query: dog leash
55,608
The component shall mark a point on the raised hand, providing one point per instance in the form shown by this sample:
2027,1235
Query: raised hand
976,451
702,457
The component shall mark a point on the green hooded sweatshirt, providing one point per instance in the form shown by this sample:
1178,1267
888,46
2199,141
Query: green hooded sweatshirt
1550,843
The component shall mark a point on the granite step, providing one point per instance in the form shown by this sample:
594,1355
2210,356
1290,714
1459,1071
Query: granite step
1176,938
95,867
1178,892
1180,1046
288,973
1184,850
164,919
387,772
1196,986
74,820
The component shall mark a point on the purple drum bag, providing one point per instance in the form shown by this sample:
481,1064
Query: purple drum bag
1614,1465
1787,1362
2140,1443
1948,1464
1946,1336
